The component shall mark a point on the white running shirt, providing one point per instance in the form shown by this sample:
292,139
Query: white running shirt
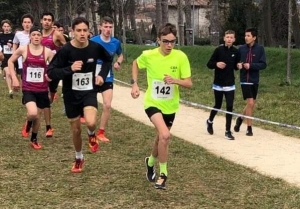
21,39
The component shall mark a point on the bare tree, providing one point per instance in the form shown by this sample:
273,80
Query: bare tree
164,10
93,5
87,9
214,29
180,22
158,13
295,23
188,21
55,10
248,13
132,12
267,19
288,61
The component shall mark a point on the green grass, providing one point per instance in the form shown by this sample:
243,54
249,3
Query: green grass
276,101
114,177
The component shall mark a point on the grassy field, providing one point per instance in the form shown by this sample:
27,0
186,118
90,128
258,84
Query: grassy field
114,177
276,101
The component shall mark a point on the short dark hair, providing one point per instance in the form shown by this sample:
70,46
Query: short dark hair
6,21
253,31
46,14
34,28
106,19
27,16
79,20
167,29
57,24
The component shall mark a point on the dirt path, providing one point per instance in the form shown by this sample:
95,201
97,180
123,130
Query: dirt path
267,152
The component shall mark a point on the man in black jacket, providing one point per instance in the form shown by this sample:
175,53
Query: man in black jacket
252,60
224,60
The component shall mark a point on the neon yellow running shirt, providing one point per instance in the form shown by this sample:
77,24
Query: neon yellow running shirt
160,95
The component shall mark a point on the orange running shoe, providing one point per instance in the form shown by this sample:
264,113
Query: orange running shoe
55,97
93,143
77,166
102,137
35,145
25,134
82,120
49,133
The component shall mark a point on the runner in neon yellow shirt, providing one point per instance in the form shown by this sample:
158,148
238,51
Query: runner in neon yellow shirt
167,69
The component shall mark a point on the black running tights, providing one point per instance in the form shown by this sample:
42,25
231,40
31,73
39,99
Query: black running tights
229,96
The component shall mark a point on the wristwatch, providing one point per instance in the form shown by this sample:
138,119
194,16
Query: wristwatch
132,81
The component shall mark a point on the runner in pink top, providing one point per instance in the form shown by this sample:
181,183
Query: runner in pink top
53,40
34,81
47,41
34,72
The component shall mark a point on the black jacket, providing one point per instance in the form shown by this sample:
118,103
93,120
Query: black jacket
256,56
229,55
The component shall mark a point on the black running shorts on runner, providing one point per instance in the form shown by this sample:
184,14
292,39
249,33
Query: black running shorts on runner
76,110
105,86
40,98
19,71
168,118
249,91
4,64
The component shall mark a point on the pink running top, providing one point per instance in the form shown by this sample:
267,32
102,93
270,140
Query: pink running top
47,41
34,71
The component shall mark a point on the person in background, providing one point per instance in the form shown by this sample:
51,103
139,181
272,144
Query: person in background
252,61
224,61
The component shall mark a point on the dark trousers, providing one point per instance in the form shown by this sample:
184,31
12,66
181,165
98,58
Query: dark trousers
229,96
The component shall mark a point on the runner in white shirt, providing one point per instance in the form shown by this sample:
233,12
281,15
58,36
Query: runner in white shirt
22,37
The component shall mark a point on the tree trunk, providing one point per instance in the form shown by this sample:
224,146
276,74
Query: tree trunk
121,20
188,21
136,35
288,61
164,10
180,23
87,9
214,29
55,10
261,29
295,22
158,13
93,9
116,23
267,11
248,13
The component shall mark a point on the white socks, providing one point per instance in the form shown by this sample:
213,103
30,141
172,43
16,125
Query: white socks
91,132
79,155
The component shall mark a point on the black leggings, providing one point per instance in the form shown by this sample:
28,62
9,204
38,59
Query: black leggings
229,96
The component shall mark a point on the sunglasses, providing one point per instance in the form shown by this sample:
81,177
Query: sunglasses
166,42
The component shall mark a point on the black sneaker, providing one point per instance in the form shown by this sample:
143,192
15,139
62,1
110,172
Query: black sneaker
228,135
209,126
150,174
161,182
238,124
249,132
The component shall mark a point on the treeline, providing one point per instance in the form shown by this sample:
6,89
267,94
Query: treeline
269,16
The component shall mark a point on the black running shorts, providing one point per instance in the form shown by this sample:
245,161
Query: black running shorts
40,98
249,91
168,118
